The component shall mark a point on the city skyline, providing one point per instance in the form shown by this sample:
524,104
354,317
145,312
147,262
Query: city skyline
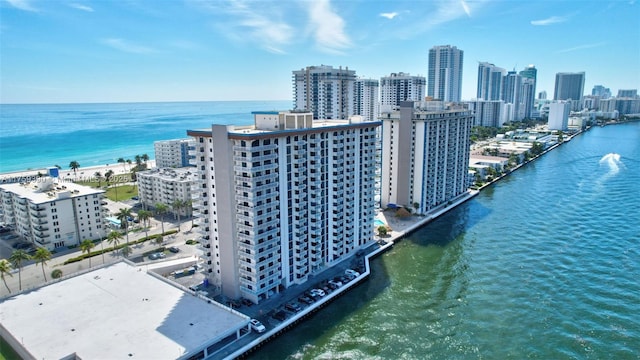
90,51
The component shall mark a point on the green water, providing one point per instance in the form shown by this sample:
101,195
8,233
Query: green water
544,265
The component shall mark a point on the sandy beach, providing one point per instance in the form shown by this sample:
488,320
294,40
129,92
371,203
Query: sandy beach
80,174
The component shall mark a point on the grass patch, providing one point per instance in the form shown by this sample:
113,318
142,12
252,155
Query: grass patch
7,352
124,192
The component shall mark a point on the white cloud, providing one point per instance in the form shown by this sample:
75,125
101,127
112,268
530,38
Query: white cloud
451,10
123,45
549,21
81,7
581,47
327,27
22,5
259,24
389,15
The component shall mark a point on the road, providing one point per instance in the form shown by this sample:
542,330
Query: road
32,274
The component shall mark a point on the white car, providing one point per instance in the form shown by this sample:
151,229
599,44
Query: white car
317,292
257,326
351,273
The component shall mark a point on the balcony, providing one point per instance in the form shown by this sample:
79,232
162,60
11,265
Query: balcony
38,215
37,207
41,228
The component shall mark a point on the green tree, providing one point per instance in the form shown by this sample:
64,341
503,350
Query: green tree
17,258
85,246
161,209
144,216
56,274
98,176
145,158
113,239
382,230
5,269
138,159
177,206
126,250
74,165
159,240
129,163
107,176
124,215
121,161
41,257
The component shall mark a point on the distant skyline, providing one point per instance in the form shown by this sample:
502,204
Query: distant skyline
198,50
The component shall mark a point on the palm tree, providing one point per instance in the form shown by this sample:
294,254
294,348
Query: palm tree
85,246
5,269
189,206
126,250
138,161
124,215
161,209
121,161
108,175
129,163
114,238
145,158
74,165
144,216
177,206
17,258
98,176
41,256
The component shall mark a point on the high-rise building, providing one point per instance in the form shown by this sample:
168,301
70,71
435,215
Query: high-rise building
282,200
53,214
529,78
489,81
425,156
401,86
559,115
326,92
627,93
512,93
445,73
172,153
487,113
569,86
542,95
366,99
601,91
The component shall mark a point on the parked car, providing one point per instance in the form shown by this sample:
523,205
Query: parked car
336,281
234,304
257,326
317,292
157,255
306,300
246,302
135,198
174,249
352,274
280,315
293,307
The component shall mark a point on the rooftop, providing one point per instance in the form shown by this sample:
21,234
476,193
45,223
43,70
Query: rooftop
179,174
118,311
46,189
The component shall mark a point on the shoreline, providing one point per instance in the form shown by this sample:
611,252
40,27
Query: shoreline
68,174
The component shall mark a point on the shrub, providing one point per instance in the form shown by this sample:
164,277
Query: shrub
56,274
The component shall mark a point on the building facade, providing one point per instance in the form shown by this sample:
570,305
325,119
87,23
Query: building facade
489,81
283,199
401,86
569,86
559,115
445,73
326,92
487,113
366,99
529,78
165,186
601,91
425,156
172,153
53,214
628,93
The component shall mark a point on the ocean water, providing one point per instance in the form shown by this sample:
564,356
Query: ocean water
543,265
43,135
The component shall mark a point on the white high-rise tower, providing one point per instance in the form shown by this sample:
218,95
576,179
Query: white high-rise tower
445,73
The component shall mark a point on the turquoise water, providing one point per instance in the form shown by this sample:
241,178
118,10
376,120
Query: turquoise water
38,136
543,265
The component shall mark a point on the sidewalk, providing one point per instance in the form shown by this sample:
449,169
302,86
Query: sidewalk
32,276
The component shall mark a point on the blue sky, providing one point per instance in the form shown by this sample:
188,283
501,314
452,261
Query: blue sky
55,51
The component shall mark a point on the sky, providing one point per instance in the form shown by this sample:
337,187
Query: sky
85,51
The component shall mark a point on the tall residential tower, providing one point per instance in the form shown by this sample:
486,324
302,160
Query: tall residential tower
326,92
489,81
401,86
282,200
445,73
